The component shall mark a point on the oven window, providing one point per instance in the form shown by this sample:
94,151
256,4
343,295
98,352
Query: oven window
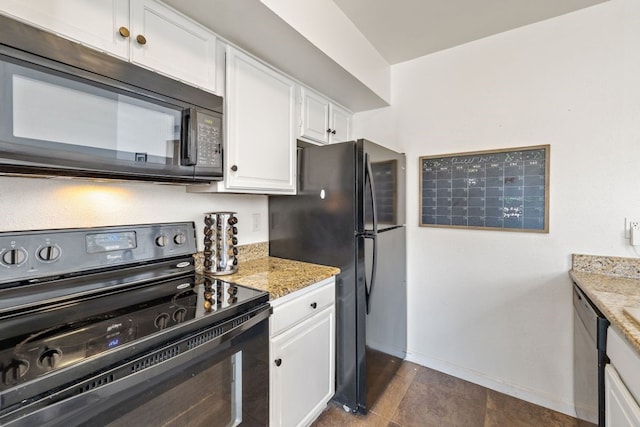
201,396
224,389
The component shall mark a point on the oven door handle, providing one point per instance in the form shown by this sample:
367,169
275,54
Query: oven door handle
107,388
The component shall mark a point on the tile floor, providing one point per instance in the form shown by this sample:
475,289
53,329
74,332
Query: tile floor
413,395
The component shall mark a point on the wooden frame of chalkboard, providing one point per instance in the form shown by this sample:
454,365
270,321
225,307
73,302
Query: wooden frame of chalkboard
505,190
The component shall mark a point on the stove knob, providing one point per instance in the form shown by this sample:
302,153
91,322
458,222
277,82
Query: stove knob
162,241
49,253
180,239
162,321
14,256
49,358
180,315
14,371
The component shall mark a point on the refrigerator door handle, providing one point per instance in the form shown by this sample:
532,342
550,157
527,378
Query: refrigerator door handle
374,267
373,235
374,206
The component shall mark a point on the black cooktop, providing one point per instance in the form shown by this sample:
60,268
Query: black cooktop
55,337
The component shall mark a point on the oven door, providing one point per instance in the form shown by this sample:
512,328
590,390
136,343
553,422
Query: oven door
218,380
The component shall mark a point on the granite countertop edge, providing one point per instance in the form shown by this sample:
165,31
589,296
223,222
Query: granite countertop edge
278,276
610,294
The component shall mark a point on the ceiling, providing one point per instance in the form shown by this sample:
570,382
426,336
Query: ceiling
401,30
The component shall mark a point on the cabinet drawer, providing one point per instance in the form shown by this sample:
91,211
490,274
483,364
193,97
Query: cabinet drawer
293,311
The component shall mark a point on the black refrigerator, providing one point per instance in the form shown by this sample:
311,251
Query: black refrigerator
349,212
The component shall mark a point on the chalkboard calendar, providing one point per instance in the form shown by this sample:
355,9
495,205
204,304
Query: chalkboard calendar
500,189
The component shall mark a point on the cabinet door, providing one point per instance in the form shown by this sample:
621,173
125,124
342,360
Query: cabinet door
94,23
172,45
303,382
621,409
340,122
314,117
260,112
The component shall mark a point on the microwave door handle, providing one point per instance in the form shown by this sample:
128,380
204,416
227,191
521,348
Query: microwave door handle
189,137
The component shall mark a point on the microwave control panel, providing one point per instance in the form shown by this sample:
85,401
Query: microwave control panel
209,141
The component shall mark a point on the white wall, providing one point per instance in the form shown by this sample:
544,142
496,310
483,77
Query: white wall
38,203
495,307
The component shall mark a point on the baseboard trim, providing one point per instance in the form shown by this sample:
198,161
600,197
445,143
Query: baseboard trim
533,396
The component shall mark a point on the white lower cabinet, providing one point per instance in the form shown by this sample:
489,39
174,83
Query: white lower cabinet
621,383
621,410
302,350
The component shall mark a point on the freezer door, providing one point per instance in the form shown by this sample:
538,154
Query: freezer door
386,322
388,182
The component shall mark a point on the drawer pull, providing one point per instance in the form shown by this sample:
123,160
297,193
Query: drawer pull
314,305
278,362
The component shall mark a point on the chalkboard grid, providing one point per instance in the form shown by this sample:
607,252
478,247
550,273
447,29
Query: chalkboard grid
506,189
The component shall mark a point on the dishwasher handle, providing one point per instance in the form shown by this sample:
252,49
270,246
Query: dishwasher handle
586,313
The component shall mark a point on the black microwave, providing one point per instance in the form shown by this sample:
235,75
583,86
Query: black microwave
66,109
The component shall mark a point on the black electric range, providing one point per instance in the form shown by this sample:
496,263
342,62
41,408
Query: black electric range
76,303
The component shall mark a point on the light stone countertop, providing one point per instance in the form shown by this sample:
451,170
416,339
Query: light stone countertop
278,276
611,283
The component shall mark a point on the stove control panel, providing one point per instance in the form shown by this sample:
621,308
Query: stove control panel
35,255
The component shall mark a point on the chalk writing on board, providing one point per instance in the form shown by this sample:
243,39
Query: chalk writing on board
505,189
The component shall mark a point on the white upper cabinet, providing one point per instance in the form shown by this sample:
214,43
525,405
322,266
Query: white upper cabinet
260,144
322,121
165,41
314,120
93,23
146,32
260,116
339,123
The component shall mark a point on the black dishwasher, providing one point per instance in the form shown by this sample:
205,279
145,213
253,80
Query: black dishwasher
590,358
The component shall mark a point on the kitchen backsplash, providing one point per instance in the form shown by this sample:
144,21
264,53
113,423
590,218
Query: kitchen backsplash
609,265
39,203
